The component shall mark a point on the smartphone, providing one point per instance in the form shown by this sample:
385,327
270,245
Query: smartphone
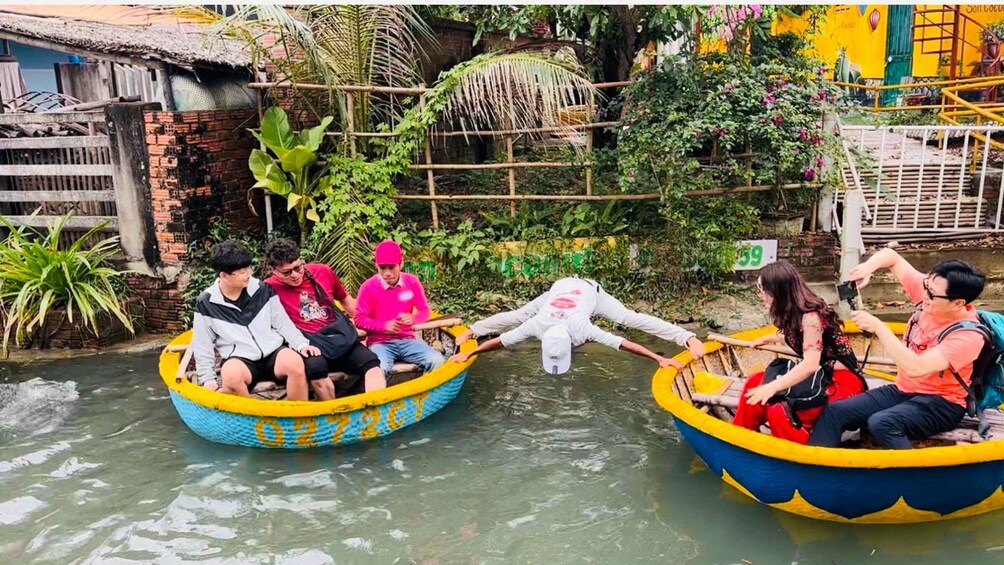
848,292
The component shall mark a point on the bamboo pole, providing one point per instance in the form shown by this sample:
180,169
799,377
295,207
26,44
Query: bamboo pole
510,158
504,197
482,133
785,350
572,197
486,133
342,88
384,89
430,175
471,167
589,149
350,109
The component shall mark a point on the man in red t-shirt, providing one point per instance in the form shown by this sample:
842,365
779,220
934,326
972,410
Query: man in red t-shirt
291,279
926,399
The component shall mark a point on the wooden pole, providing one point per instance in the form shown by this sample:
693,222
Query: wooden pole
512,171
430,175
785,350
503,197
472,167
183,364
589,150
350,119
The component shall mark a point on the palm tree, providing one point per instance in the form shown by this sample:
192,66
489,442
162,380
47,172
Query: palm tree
370,45
341,45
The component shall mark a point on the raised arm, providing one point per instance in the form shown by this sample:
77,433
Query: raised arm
885,259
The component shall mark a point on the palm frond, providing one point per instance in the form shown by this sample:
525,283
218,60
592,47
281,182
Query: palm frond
524,90
348,252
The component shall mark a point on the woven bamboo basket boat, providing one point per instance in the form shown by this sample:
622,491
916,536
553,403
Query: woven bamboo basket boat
265,420
952,475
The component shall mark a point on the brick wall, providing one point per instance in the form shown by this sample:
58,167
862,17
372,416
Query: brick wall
199,176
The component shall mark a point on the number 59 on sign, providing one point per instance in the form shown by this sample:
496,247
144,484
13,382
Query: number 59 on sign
755,253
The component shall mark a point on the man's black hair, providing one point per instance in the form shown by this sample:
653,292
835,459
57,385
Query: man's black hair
965,281
229,256
281,252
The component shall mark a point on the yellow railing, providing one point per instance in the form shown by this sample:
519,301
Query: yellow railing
879,88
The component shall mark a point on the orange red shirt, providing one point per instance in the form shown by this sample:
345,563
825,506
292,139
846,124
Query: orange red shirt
959,348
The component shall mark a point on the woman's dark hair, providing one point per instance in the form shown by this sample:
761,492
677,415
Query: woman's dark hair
281,252
964,280
791,298
229,256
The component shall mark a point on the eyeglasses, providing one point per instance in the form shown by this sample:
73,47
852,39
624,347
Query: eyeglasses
241,272
931,295
291,270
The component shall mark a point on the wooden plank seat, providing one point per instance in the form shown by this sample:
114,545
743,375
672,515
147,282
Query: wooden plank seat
966,432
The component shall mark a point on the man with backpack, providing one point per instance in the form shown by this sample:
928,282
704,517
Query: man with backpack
307,292
934,366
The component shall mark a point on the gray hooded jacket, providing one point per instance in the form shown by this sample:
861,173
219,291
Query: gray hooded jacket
252,334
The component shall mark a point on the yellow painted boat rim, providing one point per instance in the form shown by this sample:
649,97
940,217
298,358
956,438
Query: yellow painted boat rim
302,408
769,446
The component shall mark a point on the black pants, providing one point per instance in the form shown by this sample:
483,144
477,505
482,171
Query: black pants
355,363
893,417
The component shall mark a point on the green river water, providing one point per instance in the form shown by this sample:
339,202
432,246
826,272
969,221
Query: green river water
96,467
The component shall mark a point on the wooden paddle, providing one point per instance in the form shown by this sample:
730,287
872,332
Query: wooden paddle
785,350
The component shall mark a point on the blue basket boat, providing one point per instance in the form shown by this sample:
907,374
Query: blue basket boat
953,475
261,422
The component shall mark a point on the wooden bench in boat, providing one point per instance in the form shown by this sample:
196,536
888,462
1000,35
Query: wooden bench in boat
965,433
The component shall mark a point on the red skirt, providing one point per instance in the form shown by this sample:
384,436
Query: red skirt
750,416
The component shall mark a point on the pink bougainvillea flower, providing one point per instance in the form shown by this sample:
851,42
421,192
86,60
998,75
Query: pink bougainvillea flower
810,173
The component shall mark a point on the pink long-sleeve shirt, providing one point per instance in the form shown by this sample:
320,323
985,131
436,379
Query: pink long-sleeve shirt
378,304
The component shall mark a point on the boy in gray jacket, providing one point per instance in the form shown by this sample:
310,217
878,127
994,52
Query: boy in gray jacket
244,320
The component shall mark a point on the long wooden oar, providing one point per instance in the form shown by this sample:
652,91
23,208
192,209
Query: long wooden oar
785,350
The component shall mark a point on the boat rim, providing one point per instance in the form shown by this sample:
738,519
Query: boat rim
770,446
223,402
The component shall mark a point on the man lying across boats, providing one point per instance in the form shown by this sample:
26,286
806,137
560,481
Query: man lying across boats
925,400
307,292
561,319
243,319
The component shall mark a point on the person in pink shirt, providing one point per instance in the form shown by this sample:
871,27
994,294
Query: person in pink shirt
389,305
925,400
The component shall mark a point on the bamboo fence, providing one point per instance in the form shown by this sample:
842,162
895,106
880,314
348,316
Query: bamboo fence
510,165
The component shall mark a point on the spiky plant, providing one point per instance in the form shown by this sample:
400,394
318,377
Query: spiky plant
36,277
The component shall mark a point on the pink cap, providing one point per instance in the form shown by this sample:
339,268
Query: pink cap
388,252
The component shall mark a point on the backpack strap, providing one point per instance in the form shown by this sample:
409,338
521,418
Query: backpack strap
988,338
319,291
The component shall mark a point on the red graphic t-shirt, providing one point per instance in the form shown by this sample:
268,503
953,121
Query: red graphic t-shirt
308,312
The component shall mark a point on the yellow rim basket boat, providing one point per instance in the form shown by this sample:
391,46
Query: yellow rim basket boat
952,475
259,422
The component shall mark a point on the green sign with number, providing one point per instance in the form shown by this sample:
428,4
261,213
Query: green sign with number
755,253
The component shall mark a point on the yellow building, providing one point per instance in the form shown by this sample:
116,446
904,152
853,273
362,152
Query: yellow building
889,43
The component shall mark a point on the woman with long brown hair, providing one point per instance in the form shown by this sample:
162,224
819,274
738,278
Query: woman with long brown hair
790,394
